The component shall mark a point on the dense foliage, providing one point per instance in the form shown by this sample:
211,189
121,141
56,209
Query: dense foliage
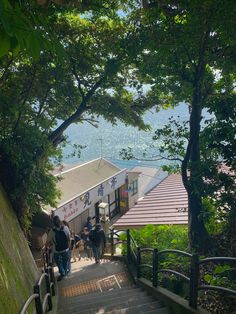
40,97
176,237
69,63
64,62
162,237
186,53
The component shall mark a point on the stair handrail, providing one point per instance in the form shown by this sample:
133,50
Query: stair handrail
134,254
43,303
211,287
194,278
28,302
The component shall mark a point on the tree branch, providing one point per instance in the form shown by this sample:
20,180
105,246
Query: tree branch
158,158
54,137
2,78
189,57
90,121
77,79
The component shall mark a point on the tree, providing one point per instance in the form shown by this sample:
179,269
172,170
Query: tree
25,25
218,140
183,50
217,146
42,98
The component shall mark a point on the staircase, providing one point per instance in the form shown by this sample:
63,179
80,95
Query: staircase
128,300
105,288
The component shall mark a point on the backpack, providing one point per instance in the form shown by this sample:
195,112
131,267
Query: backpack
92,235
96,236
61,239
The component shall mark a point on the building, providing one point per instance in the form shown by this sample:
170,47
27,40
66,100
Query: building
165,204
122,198
85,186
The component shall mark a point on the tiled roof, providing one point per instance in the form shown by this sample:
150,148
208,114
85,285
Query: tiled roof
166,203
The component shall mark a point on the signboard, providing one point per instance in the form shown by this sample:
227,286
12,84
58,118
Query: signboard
80,203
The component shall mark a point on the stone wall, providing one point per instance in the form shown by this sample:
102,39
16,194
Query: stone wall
18,271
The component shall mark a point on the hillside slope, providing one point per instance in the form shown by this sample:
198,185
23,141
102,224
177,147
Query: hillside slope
18,272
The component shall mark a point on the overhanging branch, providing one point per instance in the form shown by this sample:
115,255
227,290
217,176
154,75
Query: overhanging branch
55,136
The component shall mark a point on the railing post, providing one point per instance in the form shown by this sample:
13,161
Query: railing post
52,280
194,278
38,303
97,213
112,242
48,252
128,246
50,257
48,286
138,262
51,270
155,268
44,260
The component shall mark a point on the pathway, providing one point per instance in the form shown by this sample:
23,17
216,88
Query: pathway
103,288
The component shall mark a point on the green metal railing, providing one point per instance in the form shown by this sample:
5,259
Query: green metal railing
43,290
134,254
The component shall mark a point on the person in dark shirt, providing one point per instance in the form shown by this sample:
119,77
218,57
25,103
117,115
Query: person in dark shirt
59,240
98,240
89,224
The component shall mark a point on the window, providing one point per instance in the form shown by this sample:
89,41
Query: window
134,187
114,203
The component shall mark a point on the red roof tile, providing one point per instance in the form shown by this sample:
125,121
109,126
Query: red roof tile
166,203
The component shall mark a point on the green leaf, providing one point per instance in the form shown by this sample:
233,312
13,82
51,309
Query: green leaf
5,41
33,44
208,278
221,269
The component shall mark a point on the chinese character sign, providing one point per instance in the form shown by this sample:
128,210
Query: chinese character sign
113,183
81,202
86,199
101,190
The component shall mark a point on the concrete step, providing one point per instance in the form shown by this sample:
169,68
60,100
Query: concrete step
108,304
105,294
154,307
122,301
162,310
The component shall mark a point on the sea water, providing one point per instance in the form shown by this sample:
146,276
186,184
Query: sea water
107,141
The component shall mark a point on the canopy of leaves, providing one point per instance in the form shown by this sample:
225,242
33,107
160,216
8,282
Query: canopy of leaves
41,98
171,40
26,25
185,51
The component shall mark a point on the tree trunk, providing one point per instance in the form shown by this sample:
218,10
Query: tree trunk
198,235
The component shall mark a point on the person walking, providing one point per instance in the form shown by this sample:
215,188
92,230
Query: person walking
65,223
89,224
59,240
87,243
98,240
75,255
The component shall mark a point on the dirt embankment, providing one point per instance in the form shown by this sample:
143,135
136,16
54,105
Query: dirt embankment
18,272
